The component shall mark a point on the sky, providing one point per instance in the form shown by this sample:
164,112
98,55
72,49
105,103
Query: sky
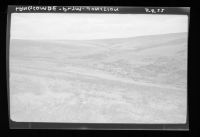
93,26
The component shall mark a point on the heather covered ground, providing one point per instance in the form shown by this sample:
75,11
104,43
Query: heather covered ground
123,80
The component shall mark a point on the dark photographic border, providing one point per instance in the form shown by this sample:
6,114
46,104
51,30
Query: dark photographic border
107,126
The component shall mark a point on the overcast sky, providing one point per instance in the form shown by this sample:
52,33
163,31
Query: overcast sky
93,26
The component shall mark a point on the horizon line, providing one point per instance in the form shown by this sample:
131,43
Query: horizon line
99,38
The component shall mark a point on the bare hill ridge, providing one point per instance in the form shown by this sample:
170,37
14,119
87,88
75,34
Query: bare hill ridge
160,36
155,59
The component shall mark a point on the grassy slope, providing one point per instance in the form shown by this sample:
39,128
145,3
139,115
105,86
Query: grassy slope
113,80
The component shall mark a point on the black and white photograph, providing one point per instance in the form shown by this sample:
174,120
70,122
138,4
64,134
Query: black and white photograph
98,68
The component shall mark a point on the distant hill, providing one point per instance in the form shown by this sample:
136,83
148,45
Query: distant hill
131,42
158,59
